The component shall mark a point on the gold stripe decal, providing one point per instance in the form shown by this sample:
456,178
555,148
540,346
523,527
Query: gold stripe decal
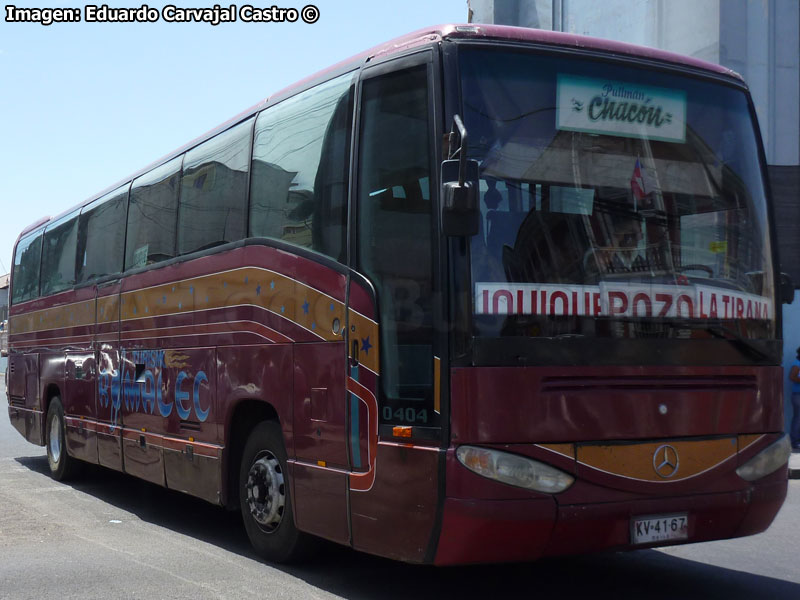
660,462
565,450
294,301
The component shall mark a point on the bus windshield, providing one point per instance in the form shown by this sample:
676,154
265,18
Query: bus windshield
616,201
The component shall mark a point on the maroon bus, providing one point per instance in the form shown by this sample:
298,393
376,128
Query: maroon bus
480,294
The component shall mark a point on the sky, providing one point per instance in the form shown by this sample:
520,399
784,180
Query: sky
84,105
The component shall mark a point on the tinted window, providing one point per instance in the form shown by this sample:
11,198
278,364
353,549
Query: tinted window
615,201
25,277
58,255
101,236
300,161
214,190
152,216
394,237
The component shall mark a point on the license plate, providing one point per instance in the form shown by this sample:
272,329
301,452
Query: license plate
659,528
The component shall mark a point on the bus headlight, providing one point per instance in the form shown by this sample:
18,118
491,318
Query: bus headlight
514,469
769,460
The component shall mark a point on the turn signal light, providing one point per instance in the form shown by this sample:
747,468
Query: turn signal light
401,431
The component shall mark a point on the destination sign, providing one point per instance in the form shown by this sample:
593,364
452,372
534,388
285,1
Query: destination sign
615,299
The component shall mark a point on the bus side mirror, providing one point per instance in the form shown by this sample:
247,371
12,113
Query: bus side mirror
786,289
460,214
460,189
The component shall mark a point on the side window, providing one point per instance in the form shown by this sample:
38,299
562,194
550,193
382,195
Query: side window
101,235
394,237
25,276
152,216
213,196
298,192
58,255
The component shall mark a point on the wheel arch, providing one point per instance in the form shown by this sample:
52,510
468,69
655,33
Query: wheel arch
245,415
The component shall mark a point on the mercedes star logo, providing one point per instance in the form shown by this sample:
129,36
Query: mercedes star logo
665,461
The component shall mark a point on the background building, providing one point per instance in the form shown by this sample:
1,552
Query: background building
3,321
760,39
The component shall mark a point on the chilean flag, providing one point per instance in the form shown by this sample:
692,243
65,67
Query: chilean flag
637,183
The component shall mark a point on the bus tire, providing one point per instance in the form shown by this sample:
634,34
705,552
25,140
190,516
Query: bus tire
62,465
265,499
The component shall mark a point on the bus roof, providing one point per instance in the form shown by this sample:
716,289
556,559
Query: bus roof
421,37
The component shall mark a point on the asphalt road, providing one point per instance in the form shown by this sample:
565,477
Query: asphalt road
112,536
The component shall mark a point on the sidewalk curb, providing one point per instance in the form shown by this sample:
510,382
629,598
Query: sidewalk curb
794,466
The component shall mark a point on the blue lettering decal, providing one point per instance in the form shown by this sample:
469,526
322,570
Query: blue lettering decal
102,388
163,407
199,379
130,390
149,392
181,396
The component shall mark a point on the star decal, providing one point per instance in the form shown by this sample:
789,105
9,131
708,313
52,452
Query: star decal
365,345
306,306
272,285
258,290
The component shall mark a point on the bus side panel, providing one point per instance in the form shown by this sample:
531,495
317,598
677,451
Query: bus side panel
34,420
51,377
396,516
106,344
24,412
16,376
79,406
78,393
192,446
320,480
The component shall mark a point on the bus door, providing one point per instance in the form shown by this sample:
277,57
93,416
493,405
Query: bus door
392,412
109,376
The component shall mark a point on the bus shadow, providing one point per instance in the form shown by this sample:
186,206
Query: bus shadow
644,574
154,504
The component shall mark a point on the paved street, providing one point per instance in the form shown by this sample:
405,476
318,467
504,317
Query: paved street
112,536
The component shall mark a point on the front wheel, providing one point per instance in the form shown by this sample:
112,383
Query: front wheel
265,499
62,465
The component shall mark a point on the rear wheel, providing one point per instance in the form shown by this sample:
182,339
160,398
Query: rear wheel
62,465
265,499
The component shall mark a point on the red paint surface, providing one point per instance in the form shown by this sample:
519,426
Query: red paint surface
572,404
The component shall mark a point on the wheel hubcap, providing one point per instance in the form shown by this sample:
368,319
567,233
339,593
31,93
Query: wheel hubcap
266,497
55,439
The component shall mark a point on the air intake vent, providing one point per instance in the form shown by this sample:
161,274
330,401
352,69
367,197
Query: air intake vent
649,383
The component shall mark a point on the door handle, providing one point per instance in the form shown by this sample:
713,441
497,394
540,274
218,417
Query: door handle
354,354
